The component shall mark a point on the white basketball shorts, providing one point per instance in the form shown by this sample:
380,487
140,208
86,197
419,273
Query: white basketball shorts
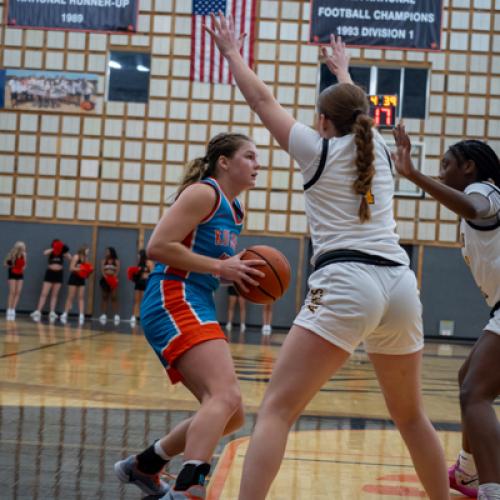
494,323
349,303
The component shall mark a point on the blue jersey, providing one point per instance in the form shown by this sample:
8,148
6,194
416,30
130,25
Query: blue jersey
216,236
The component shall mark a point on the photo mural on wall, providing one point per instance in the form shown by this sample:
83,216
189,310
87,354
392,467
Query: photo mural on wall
50,91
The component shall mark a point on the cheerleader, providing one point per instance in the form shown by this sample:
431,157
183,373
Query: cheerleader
139,275
110,268
53,278
16,264
80,270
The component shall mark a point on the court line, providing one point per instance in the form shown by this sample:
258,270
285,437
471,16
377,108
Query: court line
221,472
54,344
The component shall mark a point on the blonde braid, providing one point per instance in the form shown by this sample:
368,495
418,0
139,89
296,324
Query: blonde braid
365,158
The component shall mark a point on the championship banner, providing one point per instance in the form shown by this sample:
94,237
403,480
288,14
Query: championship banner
404,24
88,15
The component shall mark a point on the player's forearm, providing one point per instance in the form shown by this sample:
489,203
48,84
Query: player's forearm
452,199
343,76
251,86
177,255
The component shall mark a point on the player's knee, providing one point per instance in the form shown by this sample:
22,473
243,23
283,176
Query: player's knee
276,407
472,393
230,399
406,417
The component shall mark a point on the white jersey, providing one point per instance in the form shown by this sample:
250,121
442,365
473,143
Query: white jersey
331,204
481,240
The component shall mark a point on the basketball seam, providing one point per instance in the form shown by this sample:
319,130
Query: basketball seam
272,268
265,292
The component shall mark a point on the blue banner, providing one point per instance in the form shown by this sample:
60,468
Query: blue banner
405,24
88,15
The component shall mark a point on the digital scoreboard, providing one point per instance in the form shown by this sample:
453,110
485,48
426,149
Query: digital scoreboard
383,110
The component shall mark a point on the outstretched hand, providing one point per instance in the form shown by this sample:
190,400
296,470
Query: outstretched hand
337,60
224,35
402,156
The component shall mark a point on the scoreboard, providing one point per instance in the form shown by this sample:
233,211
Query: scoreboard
383,110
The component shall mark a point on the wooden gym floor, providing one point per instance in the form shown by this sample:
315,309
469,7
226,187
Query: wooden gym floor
74,399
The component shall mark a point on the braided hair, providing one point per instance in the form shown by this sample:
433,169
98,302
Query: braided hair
483,156
224,144
346,106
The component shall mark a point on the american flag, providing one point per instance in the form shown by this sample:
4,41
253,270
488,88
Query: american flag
207,64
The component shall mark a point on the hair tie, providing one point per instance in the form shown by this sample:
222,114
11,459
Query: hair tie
356,113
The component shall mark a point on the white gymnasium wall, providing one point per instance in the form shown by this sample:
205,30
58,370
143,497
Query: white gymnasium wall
120,166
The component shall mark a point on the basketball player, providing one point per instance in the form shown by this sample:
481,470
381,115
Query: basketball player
194,244
362,289
470,187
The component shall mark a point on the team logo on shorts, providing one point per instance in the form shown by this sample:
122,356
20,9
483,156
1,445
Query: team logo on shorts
316,296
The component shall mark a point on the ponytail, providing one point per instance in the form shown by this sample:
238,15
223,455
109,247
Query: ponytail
365,158
195,171
346,106
224,144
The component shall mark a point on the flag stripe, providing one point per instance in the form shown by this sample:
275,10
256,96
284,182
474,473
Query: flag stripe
206,62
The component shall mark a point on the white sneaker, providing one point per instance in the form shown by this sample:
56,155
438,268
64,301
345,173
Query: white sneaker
116,319
8,315
103,318
13,314
243,327
133,319
81,319
266,330
64,318
52,316
229,327
36,315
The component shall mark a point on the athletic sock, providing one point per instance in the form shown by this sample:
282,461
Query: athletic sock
193,472
160,451
489,491
149,461
466,463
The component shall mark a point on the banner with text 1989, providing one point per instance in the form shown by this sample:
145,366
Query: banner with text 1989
88,15
405,24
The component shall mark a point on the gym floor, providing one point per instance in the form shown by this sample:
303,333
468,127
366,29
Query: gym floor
75,399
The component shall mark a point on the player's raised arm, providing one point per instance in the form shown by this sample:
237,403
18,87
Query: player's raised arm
337,59
468,206
274,117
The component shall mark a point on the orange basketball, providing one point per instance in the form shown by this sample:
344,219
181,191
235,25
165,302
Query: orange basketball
87,105
277,275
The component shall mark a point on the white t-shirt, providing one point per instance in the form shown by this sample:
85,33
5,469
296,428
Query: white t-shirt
481,248
332,205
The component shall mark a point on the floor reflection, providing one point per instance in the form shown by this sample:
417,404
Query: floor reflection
74,399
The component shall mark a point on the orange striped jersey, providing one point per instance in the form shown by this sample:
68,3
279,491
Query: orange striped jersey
216,236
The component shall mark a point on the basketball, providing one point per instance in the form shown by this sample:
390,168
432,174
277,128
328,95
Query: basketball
277,275
87,105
